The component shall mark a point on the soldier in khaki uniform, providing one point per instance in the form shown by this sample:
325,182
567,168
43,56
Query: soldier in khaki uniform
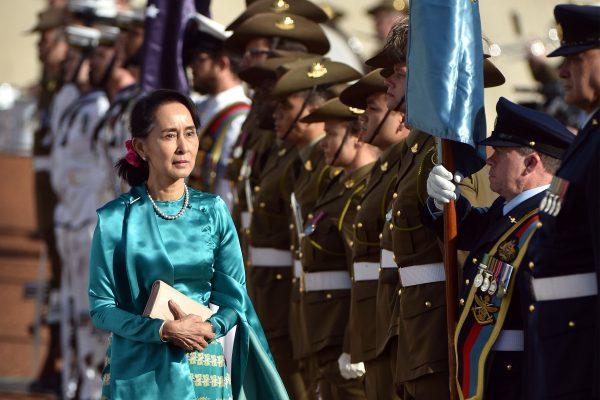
384,129
270,258
326,249
256,38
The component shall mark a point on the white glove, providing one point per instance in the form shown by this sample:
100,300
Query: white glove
440,186
349,370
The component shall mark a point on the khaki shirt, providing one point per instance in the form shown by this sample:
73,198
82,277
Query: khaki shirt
370,218
312,178
325,248
422,340
271,285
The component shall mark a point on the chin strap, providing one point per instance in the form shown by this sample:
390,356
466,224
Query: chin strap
387,113
108,72
85,54
341,146
297,118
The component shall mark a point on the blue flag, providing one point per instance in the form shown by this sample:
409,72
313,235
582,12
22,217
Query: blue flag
162,66
444,93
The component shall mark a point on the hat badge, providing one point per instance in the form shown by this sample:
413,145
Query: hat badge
317,70
280,6
286,24
399,5
356,111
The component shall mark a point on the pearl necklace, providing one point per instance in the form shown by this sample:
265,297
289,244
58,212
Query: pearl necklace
160,213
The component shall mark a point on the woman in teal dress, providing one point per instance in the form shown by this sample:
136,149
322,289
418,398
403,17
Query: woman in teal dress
161,230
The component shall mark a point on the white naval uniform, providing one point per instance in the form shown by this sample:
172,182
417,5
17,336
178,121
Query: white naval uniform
80,177
115,131
66,95
209,107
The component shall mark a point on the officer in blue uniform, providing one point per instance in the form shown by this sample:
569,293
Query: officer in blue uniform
489,344
562,318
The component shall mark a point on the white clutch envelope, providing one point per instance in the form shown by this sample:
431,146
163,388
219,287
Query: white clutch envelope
158,304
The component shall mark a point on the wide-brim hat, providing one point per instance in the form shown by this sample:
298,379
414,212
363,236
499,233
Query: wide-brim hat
304,75
257,74
284,26
303,8
389,5
356,94
492,76
50,18
333,109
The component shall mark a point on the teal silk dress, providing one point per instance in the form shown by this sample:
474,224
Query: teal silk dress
199,255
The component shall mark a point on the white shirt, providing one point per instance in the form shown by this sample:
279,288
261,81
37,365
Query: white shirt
588,117
80,174
521,197
209,108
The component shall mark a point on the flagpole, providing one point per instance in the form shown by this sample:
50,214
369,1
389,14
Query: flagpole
450,262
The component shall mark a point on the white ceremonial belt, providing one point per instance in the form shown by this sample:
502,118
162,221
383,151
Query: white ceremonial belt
327,280
246,219
564,287
41,163
387,259
422,274
269,257
366,271
509,340
297,268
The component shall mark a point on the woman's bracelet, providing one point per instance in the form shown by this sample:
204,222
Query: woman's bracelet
160,332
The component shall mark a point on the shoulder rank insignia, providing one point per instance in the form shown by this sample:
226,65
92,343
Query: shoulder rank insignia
415,148
308,165
349,183
317,70
384,166
552,201
286,24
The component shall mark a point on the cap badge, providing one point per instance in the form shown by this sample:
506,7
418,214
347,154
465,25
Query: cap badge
280,6
286,24
356,111
317,70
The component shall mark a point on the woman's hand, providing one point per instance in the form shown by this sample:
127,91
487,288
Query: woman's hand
188,331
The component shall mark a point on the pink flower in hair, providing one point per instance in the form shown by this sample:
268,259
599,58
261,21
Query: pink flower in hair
132,157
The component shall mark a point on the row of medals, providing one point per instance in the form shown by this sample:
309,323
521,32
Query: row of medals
493,276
